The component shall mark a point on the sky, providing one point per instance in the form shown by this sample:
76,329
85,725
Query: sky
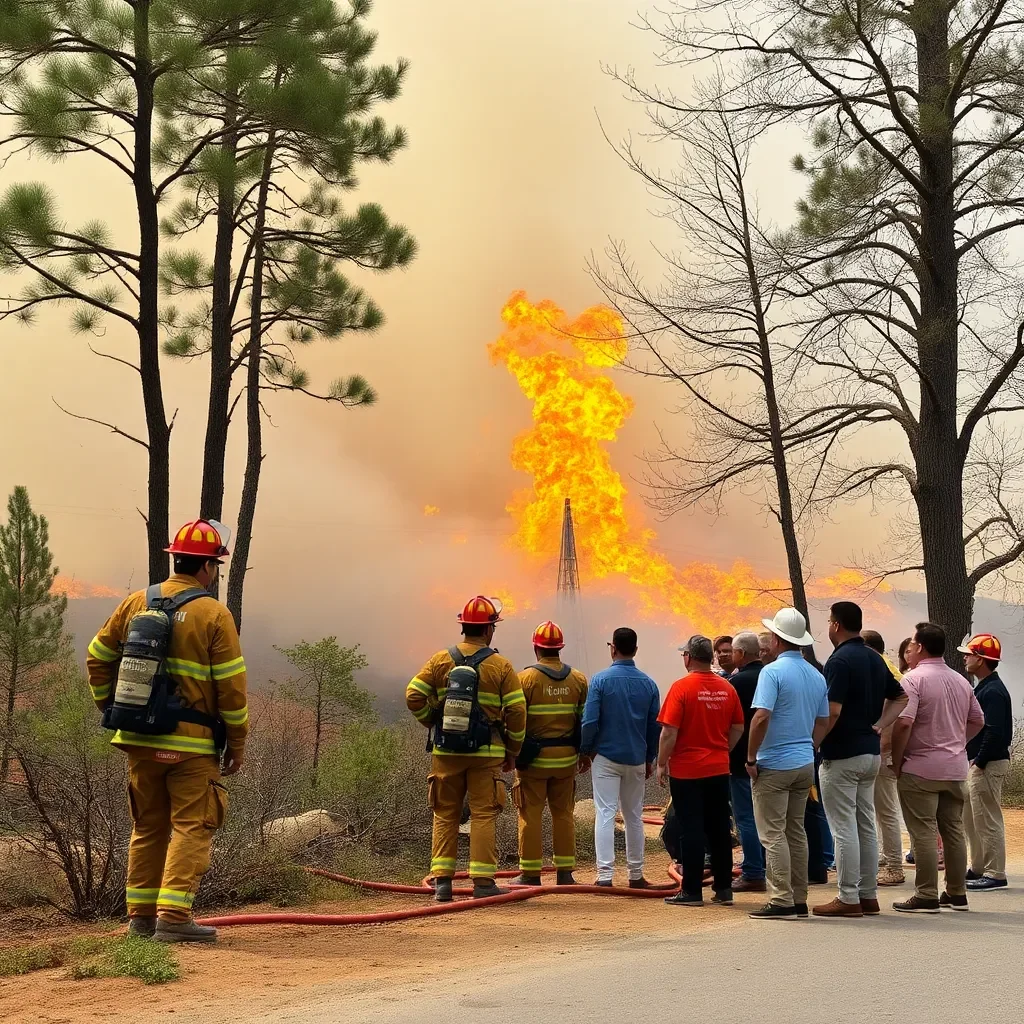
508,183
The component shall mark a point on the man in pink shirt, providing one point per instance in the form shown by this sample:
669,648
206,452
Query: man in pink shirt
929,757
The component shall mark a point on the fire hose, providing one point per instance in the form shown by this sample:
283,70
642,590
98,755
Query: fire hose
518,894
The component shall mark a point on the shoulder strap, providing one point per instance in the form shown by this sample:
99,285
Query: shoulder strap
456,655
154,598
558,674
479,657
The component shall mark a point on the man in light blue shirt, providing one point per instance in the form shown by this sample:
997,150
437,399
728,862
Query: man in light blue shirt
620,731
790,719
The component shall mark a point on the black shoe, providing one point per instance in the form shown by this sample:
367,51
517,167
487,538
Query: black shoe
723,898
639,883
801,910
565,877
984,883
818,879
917,905
528,880
481,890
972,876
442,890
684,899
947,902
772,912
605,883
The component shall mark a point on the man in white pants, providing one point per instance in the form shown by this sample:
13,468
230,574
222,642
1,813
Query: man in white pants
621,731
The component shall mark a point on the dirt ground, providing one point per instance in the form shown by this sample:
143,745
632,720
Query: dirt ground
273,966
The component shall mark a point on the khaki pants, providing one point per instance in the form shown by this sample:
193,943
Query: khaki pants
175,808
887,818
531,791
780,798
931,808
983,819
452,778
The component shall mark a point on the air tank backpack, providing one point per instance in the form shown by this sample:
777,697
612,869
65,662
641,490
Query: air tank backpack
462,727
533,745
146,700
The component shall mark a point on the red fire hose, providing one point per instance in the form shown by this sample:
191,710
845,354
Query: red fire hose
517,895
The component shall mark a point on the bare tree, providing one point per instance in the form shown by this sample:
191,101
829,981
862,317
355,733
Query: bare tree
902,256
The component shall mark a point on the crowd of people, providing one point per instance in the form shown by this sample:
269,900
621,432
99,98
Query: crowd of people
812,765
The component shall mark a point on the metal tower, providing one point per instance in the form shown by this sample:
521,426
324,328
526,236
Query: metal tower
568,570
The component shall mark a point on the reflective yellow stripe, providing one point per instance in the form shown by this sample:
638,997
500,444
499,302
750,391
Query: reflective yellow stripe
182,744
516,735
489,700
423,713
530,865
191,669
515,697
441,691
136,896
227,669
479,868
553,762
551,709
176,897
419,686
101,652
494,750
101,692
235,717
564,862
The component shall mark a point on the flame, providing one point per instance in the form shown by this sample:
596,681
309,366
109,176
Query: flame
431,510
577,410
76,590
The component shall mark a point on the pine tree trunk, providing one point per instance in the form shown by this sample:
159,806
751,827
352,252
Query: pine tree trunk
12,690
211,502
158,431
939,461
254,425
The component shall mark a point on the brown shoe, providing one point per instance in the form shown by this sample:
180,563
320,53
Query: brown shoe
837,908
750,885
891,876
870,907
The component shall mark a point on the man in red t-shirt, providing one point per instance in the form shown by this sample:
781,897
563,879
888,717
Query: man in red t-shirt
701,721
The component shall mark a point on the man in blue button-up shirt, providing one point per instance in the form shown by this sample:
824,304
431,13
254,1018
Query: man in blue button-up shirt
620,731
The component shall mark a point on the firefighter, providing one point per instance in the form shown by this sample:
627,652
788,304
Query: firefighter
175,795
468,759
555,696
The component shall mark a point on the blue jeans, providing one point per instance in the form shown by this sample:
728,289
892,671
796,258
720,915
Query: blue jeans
753,864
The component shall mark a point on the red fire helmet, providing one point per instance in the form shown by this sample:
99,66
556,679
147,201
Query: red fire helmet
549,636
201,538
984,645
481,611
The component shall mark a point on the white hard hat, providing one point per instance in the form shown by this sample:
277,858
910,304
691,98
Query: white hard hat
791,626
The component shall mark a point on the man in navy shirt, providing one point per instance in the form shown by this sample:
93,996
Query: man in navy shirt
620,731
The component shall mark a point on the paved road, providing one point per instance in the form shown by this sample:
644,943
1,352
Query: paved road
952,967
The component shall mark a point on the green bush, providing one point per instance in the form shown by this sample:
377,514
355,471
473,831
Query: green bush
25,959
152,963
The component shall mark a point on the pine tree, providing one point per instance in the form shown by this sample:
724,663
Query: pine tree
31,617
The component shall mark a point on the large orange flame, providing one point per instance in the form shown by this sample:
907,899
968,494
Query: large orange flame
75,590
577,410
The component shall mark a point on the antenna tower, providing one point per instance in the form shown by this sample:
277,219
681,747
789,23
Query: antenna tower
567,597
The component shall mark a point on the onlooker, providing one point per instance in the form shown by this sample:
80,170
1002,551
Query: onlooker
989,754
701,721
863,699
723,656
791,713
746,661
620,729
929,757
887,799
764,652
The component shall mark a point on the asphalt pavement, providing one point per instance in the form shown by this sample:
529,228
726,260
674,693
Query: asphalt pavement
951,967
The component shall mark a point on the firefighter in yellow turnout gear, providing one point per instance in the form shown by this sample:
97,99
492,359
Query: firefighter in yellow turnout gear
175,795
555,696
500,716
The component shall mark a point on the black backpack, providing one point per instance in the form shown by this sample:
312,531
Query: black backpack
533,745
461,727
146,700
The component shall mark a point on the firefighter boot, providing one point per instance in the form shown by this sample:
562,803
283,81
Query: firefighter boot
527,879
442,890
183,931
565,877
484,887
142,926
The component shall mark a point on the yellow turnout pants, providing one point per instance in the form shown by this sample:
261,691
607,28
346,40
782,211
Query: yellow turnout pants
175,808
557,787
452,777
